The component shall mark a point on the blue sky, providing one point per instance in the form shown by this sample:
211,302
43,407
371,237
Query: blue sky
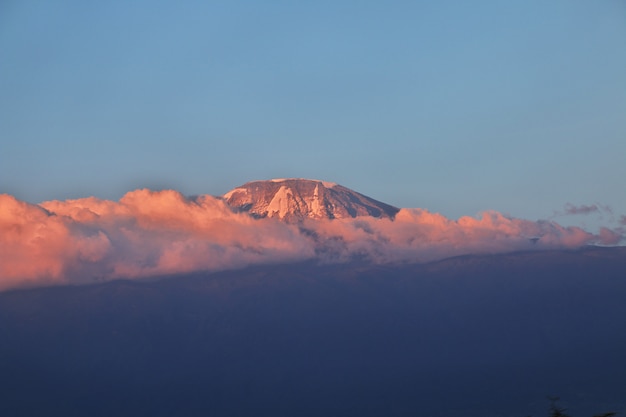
455,107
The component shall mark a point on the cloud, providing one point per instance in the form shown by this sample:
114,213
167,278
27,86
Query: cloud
622,220
583,209
609,237
39,247
417,235
164,232
149,233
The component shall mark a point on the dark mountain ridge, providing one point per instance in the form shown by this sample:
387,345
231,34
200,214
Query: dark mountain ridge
471,335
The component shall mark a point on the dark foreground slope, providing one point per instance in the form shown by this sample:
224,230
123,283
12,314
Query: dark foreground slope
470,336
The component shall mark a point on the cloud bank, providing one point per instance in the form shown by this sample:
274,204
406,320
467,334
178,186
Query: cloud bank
149,233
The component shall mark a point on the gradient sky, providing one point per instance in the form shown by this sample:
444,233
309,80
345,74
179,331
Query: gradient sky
452,106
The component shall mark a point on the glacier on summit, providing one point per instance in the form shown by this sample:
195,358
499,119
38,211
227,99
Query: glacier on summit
293,199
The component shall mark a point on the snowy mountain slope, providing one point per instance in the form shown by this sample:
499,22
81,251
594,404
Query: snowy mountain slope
296,199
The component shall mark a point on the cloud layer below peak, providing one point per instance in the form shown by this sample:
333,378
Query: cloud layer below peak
150,233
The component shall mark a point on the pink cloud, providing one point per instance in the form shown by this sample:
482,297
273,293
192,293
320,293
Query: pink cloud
609,237
159,232
417,235
149,233
41,247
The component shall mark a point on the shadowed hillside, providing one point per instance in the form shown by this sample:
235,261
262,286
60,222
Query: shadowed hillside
471,336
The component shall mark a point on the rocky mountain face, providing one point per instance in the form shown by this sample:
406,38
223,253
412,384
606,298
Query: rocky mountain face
298,199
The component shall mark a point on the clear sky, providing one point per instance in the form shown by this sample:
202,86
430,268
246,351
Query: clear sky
453,106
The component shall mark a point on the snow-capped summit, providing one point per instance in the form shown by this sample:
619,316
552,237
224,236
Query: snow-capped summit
296,199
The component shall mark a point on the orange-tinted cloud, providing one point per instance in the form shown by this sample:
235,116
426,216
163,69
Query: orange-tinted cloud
417,235
149,233
39,247
164,232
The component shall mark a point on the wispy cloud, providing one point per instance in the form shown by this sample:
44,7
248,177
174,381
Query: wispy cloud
584,209
148,233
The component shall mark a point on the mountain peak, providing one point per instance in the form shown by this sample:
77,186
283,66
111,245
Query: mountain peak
295,199
324,183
